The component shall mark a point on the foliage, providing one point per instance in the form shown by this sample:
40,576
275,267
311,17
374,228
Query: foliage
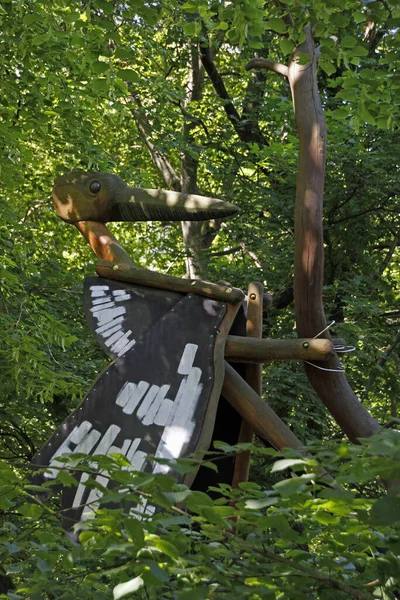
298,538
115,87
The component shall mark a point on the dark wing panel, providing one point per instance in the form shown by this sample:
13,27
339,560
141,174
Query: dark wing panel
119,313
226,428
151,401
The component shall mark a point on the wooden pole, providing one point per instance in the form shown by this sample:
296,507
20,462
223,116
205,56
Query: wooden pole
257,413
253,377
132,274
103,243
244,349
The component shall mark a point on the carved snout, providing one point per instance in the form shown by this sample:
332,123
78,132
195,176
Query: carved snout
103,197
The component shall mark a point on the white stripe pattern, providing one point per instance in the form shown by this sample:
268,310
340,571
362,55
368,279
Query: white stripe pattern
110,318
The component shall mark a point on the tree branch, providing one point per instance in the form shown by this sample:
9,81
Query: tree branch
246,132
159,159
266,63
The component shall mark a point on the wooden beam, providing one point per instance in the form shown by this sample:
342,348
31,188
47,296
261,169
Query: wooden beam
122,272
242,349
254,325
263,419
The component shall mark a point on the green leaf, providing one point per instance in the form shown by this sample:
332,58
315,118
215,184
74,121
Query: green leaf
178,497
255,44
288,487
192,29
123,53
349,95
38,40
129,587
129,75
340,114
71,17
100,84
366,115
359,17
174,521
30,510
348,41
32,18
303,58
100,68
286,46
277,25
340,20
106,7
359,51
386,511
135,531
197,593
190,8
286,463
167,548
261,503
197,500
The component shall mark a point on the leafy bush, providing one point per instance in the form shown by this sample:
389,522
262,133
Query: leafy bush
300,537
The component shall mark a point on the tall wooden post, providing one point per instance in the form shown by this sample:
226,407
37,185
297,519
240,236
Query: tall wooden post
253,377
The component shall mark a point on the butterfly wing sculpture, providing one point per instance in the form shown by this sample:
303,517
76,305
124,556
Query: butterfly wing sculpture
159,397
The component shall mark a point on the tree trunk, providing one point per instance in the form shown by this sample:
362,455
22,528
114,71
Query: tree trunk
331,386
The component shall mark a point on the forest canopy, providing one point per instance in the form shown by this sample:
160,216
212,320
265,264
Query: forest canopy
197,97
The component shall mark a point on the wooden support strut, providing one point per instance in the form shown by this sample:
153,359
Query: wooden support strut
254,326
244,349
123,272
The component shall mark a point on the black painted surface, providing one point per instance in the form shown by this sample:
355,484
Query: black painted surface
226,428
143,309
154,359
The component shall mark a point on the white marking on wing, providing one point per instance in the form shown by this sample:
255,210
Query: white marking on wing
103,447
106,315
100,301
187,359
84,439
127,347
162,415
134,394
122,342
152,410
109,324
148,400
97,309
123,298
112,330
114,338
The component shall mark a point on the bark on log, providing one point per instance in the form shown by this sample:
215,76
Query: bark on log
241,349
332,387
133,274
254,327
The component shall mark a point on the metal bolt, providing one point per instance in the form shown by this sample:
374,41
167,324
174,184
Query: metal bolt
306,345
253,296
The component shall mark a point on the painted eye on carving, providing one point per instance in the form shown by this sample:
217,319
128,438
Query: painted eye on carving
95,187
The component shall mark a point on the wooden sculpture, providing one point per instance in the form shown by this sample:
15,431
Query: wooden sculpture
171,387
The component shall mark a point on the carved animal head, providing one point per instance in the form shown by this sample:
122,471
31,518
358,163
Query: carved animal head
103,197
